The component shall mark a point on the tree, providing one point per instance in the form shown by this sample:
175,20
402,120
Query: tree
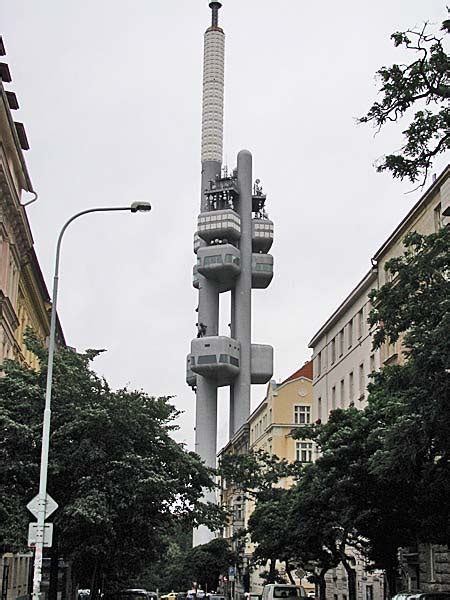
257,475
423,83
118,476
343,501
204,564
415,306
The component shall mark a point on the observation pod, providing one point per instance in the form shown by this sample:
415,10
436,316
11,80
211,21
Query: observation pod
262,270
222,224
216,357
262,234
261,363
195,277
197,242
191,377
221,263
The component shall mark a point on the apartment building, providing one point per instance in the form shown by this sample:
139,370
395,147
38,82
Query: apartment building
343,359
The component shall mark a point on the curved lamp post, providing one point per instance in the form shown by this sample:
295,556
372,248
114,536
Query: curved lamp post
42,496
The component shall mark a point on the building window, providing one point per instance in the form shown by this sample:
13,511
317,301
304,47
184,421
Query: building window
360,323
319,409
372,363
303,452
350,333
333,397
437,218
341,343
351,387
319,364
333,350
302,414
342,393
362,382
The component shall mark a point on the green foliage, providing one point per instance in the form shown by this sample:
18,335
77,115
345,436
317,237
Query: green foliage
425,80
256,472
204,564
118,476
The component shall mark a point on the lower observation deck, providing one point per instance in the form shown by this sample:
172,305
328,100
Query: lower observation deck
261,361
216,358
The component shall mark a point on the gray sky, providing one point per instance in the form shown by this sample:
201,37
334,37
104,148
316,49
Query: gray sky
110,95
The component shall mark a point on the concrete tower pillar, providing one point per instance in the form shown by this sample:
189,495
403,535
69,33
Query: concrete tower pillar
242,297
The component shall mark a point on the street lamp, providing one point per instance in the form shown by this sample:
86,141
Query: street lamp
42,496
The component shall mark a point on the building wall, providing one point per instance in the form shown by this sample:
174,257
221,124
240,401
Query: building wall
342,354
24,299
425,218
15,575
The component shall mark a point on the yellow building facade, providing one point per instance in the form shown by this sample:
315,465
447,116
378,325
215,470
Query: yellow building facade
286,406
24,299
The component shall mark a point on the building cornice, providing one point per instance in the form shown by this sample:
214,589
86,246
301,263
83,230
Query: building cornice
11,207
404,224
354,295
14,141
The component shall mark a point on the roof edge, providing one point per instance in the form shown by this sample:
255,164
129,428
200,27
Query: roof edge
368,278
390,240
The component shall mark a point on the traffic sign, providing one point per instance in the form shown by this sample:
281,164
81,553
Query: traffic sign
33,534
50,506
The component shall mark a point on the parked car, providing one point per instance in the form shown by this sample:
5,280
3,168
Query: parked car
272,591
131,594
430,596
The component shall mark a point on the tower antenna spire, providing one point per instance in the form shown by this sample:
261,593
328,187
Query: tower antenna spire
214,6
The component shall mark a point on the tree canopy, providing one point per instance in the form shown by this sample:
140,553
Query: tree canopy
117,474
422,85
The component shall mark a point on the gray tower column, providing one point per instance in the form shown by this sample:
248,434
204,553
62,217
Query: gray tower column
206,403
242,297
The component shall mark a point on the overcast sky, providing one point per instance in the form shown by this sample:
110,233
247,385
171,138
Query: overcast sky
110,94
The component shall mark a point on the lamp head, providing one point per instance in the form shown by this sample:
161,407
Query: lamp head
140,207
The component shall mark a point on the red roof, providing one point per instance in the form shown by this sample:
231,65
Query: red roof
305,371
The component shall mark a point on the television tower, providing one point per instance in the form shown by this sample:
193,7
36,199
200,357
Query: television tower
233,237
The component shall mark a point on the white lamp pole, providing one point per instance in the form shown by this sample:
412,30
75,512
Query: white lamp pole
37,575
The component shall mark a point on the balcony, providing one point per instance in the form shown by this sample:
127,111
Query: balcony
262,270
220,263
262,234
261,363
219,224
216,358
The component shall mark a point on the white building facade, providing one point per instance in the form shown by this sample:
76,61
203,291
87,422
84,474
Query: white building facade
343,355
